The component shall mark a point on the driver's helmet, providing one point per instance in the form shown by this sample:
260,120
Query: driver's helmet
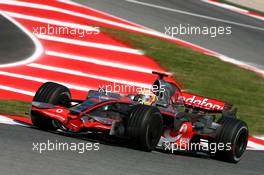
146,98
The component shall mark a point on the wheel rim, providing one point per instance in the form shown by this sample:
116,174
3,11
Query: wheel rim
154,131
240,142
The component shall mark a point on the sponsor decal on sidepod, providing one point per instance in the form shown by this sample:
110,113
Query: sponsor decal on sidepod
202,102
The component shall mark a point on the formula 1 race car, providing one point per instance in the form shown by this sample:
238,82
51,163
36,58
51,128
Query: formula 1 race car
166,119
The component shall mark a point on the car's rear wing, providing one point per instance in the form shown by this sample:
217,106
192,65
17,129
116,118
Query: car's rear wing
204,103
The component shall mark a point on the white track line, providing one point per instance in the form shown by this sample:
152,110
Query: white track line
255,145
70,3
72,41
233,8
42,80
20,91
38,47
260,137
89,17
9,121
207,51
90,44
99,62
194,14
51,21
255,16
101,12
79,73
137,29
241,64
227,6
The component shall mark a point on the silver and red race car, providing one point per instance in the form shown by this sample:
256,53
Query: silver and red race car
166,119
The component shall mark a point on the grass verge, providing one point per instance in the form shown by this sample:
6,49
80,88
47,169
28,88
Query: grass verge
205,75
242,7
12,107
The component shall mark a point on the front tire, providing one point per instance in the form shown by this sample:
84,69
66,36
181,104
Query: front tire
234,132
52,93
144,126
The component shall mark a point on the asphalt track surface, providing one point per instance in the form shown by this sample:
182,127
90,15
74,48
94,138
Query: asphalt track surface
17,157
15,45
244,44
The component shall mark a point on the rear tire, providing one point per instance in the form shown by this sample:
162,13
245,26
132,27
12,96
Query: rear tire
144,126
234,132
52,93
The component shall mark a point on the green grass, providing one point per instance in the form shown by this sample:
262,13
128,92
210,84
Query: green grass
12,107
206,75
241,6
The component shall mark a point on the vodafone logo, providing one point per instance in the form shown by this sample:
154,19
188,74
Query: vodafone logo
202,102
59,110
